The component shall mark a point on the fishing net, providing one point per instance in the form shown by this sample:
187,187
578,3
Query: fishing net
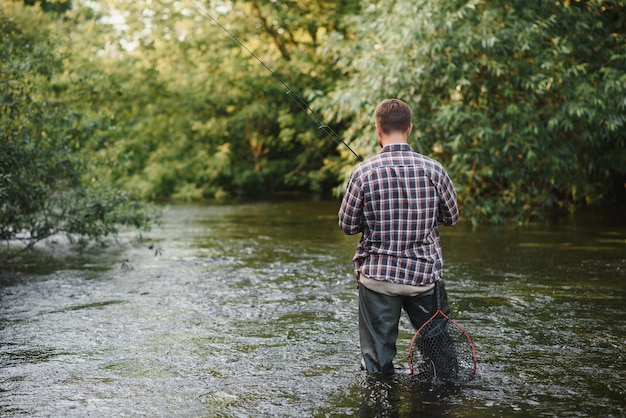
442,352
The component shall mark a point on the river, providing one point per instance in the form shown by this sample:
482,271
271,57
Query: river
250,309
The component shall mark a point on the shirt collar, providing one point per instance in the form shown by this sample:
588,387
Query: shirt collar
396,147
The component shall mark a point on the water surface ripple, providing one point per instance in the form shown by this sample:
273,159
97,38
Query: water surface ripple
251,310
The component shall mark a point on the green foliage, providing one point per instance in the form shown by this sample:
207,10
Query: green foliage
524,103
46,186
58,6
182,110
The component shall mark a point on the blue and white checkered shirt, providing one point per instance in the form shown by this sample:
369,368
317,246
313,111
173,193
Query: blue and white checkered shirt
397,199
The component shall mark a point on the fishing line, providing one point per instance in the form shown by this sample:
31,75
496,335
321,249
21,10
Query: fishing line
323,126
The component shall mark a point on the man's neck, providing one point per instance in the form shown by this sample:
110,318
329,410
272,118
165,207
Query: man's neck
393,138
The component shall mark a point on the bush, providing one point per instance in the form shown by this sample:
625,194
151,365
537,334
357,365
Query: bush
45,183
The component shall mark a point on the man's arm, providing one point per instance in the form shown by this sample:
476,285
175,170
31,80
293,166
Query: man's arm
448,213
351,210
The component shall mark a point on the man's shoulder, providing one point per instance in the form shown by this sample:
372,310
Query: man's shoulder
430,162
405,157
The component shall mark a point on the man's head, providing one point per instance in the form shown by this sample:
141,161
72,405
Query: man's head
393,115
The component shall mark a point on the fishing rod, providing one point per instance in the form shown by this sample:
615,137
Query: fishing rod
323,126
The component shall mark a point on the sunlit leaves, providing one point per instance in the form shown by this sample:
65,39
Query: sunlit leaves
186,88
46,185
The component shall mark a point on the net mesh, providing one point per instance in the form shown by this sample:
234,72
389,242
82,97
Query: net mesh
442,352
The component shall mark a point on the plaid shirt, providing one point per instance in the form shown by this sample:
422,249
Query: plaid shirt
397,199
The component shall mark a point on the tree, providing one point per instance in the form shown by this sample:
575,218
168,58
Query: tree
46,185
192,114
524,103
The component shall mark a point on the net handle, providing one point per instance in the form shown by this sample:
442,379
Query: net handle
437,295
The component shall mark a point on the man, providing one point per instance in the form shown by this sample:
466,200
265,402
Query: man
396,199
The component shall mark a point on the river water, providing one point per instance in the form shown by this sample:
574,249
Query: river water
251,310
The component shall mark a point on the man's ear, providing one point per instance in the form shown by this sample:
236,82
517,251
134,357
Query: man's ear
408,132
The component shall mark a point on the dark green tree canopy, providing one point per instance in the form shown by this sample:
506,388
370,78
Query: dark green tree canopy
524,103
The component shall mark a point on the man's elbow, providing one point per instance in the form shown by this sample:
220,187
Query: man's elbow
454,218
349,229
449,219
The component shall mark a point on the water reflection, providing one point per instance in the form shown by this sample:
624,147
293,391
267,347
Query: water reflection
251,311
400,396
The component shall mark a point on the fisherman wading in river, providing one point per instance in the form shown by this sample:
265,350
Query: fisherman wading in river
396,200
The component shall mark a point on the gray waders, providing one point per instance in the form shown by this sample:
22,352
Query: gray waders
379,316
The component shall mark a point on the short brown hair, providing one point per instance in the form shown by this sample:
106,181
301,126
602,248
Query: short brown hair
393,115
